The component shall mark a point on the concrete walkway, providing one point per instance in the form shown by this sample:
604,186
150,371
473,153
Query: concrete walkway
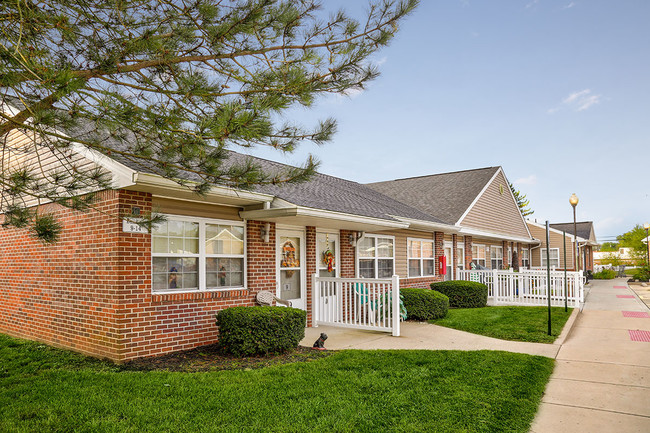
415,335
601,381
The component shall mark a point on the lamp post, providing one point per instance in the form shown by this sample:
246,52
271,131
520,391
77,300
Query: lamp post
646,226
574,202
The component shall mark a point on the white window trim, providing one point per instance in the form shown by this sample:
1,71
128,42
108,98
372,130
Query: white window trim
356,253
476,259
202,255
527,258
498,258
421,259
460,246
542,257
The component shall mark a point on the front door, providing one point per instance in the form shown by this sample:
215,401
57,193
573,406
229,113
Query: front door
291,267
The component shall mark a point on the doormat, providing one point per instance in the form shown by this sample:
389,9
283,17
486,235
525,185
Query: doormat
620,287
625,296
638,335
637,314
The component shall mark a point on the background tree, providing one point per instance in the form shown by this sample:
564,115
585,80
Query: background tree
634,239
175,82
521,202
609,246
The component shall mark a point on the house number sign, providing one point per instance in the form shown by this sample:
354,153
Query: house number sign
133,227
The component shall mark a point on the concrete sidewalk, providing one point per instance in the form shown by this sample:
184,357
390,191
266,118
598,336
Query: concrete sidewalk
601,381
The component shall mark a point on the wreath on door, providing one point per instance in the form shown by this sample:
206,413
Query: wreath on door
289,259
328,259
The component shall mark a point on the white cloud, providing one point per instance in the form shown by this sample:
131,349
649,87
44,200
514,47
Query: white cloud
577,101
532,4
569,6
605,224
530,180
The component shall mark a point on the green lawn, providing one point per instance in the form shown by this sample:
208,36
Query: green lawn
49,390
508,323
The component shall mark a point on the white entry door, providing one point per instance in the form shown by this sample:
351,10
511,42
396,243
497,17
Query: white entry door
291,267
327,265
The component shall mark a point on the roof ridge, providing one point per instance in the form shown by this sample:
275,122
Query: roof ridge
436,174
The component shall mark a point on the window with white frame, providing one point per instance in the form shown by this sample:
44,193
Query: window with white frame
525,261
376,256
510,256
421,257
554,254
478,254
496,257
197,254
460,257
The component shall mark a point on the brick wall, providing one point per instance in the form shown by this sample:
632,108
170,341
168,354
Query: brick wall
91,291
468,251
310,266
347,259
65,294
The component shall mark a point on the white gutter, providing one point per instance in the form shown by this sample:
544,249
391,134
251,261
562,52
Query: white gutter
428,225
490,235
298,211
156,181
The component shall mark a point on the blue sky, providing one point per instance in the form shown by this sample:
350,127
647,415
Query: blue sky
556,92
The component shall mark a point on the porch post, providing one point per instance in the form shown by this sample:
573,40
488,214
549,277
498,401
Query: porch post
315,289
396,312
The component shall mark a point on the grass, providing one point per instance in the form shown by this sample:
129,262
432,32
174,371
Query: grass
49,390
508,323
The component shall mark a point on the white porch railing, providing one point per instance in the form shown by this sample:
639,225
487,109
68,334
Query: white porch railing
528,287
357,303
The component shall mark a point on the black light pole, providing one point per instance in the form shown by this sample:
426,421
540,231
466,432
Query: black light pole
548,277
566,282
574,202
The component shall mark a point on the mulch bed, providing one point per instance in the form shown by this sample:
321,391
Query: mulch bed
211,358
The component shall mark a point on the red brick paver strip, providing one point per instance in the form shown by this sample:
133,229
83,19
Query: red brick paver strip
625,296
620,287
639,335
637,314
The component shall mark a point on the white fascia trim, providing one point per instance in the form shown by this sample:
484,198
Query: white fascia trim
474,232
515,201
478,196
551,229
299,211
428,225
154,180
122,175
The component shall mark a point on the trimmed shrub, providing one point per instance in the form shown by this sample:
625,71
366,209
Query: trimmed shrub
605,274
463,294
246,331
424,304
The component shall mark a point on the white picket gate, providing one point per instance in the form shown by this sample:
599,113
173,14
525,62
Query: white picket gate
529,287
357,303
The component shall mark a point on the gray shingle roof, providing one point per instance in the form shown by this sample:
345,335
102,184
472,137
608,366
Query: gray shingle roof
321,192
445,196
584,228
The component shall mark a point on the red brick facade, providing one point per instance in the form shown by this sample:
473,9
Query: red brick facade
91,291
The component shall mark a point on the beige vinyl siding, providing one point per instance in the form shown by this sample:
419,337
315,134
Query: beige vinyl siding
20,151
401,247
496,211
187,208
556,242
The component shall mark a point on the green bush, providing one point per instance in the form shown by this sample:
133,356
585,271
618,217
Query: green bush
424,304
463,294
642,273
605,274
246,331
